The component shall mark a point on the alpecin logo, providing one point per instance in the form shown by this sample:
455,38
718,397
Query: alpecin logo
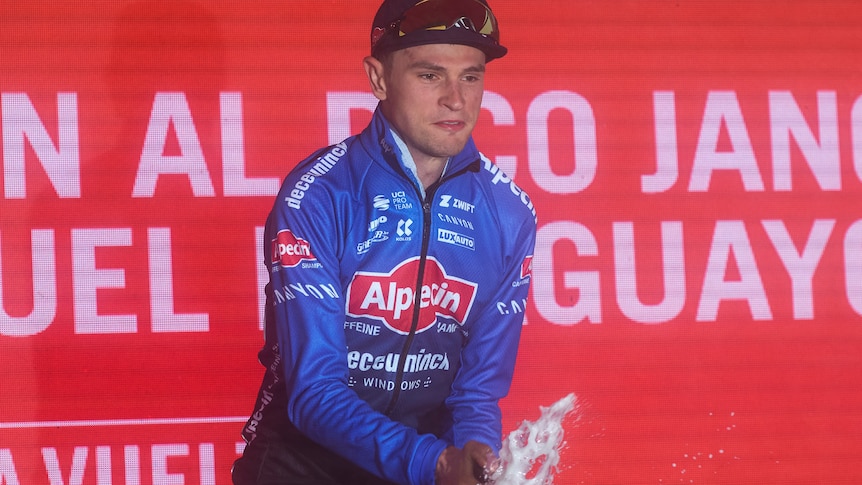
389,297
527,267
289,250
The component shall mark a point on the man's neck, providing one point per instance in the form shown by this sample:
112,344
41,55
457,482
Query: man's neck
427,170
430,170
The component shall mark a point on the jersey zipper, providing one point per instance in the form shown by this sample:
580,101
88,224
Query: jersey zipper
423,257
427,205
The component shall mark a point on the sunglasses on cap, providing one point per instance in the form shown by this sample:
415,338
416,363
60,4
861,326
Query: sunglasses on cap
443,15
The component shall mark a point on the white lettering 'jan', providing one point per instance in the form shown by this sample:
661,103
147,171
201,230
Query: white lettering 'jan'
786,122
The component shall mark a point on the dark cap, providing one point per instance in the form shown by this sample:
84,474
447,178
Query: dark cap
406,23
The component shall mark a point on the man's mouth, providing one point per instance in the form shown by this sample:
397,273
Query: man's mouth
453,125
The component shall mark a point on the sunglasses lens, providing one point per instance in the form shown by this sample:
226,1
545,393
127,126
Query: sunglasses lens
444,14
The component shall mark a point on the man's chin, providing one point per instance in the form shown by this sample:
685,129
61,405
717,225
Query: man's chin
451,148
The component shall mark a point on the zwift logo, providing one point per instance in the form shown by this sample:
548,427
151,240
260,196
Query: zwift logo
390,297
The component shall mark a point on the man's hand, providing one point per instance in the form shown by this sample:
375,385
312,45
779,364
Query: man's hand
471,465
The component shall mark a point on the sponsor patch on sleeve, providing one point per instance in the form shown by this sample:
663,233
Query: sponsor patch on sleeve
289,250
527,267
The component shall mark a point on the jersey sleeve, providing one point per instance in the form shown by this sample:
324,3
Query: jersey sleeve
488,357
309,312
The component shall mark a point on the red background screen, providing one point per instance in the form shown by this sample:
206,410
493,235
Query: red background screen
697,283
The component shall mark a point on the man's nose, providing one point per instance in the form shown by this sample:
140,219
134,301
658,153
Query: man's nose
453,96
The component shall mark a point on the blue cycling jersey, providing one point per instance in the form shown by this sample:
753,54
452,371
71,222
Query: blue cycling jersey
394,312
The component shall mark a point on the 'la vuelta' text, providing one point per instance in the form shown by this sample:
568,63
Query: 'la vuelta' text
116,465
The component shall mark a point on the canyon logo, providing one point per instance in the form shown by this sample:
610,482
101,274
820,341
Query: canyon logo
390,297
289,250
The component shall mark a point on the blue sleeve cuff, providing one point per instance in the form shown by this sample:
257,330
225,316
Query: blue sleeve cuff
424,466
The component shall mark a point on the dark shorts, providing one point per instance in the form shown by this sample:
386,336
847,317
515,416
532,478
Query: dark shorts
290,458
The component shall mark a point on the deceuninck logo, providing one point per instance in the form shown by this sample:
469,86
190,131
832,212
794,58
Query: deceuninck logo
289,250
390,297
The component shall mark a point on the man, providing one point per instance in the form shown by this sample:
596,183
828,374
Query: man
395,257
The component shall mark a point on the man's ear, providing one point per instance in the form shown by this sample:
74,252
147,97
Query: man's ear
375,69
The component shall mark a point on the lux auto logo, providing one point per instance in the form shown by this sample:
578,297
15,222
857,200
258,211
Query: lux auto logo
390,298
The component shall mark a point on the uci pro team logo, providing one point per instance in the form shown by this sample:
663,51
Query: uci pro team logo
390,298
